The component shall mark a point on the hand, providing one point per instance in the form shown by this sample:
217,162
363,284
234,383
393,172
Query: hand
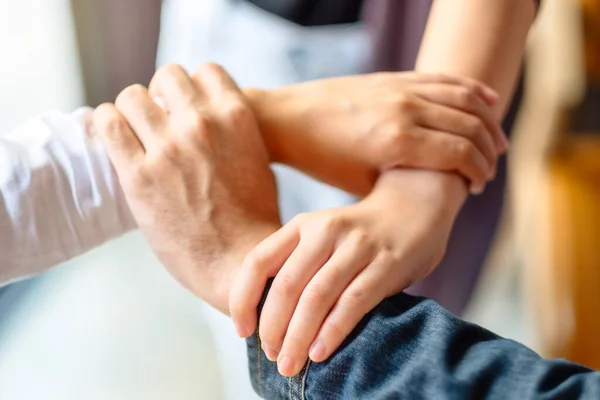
345,131
195,173
332,267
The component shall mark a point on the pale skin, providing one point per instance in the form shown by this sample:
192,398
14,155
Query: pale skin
328,265
174,146
204,221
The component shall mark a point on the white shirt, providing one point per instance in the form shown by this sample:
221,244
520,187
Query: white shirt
60,196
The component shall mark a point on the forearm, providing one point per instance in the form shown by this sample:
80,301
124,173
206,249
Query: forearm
484,40
59,195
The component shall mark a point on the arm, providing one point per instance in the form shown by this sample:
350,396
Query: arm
481,40
59,196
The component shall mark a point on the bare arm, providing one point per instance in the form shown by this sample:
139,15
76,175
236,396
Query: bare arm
483,40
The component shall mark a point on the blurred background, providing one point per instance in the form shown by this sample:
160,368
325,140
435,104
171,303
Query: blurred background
113,325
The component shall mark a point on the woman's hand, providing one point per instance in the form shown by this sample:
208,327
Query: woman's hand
346,131
332,267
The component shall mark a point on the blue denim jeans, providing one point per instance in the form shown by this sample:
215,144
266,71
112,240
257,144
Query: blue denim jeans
412,348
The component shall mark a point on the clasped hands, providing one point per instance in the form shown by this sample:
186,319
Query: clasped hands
193,152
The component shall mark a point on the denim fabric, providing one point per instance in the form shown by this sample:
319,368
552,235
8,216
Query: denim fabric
412,348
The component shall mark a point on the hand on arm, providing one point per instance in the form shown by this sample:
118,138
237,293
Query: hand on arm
484,41
332,267
345,131
195,173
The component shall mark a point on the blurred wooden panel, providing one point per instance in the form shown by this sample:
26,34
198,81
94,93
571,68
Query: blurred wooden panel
591,18
574,197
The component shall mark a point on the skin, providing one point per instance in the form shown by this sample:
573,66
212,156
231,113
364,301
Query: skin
331,267
327,265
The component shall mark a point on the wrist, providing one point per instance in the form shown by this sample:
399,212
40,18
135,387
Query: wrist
444,191
226,263
267,106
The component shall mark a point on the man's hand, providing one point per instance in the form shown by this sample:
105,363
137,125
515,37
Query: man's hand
195,173
345,131
332,267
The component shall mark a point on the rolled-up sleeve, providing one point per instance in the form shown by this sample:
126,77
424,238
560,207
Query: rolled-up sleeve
59,195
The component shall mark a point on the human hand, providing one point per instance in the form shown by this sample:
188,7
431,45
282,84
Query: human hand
332,267
195,173
345,131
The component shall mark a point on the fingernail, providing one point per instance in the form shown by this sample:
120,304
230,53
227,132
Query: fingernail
505,143
241,330
477,190
491,93
271,354
285,366
317,351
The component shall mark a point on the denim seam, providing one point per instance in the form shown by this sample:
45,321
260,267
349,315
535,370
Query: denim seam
260,383
303,383
291,385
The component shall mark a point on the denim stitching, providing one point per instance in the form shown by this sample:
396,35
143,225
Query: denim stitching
291,385
304,374
260,383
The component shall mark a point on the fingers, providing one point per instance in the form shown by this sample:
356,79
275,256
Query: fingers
356,301
173,86
310,255
489,95
442,151
319,297
459,123
144,116
122,145
261,264
466,100
216,82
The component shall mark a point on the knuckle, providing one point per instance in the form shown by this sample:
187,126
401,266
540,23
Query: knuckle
466,97
300,219
284,286
316,296
399,143
330,224
465,150
334,329
237,113
360,238
197,126
257,258
108,123
130,94
403,103
212,68
354,299
170,150
268,335
387,258
475,126
168,71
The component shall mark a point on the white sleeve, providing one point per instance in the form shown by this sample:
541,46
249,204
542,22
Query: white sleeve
59,195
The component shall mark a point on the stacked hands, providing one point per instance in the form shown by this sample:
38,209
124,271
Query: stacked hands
193,153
